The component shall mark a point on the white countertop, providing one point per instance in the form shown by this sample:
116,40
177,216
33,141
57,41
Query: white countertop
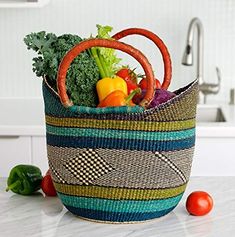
37,216
25,117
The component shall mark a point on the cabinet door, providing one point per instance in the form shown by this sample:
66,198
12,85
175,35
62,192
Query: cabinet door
39,153
14,150
214,157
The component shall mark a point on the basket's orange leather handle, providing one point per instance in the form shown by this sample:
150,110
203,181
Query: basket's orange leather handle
159,43
76,50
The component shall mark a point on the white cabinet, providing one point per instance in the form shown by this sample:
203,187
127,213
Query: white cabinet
214,156
14,150
22,134
39,153
22,3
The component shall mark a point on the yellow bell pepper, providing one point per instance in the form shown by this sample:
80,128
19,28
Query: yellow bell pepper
107,85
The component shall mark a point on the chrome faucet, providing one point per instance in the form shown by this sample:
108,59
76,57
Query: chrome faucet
204,88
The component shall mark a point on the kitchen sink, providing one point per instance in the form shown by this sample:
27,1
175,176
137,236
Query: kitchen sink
210,113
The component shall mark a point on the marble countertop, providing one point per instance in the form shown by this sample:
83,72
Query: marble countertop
25,117
37,216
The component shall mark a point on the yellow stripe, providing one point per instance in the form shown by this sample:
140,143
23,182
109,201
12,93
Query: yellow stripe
115,124
118,193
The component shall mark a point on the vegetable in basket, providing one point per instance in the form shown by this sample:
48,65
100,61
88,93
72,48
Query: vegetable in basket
118,98
82,75
161,96
107,62
130,78
108,85
143,84
105,58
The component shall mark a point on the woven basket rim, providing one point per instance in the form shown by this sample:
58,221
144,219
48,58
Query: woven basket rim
179,93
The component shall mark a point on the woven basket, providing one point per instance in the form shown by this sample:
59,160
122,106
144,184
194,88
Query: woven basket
123,164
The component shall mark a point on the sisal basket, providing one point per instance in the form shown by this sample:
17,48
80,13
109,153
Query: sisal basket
120,164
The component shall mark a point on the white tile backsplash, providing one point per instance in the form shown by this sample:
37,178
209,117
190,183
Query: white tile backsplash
168,18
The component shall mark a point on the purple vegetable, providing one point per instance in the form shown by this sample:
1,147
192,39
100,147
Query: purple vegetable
161,96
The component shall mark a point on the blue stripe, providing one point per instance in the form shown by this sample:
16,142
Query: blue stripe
123,144
117,216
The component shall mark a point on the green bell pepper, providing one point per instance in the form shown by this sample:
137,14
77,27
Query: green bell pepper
24,179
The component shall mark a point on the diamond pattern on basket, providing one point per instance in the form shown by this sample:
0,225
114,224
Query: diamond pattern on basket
88,166
56,174
171,164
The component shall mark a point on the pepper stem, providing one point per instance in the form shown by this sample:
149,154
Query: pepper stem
132,94
13,185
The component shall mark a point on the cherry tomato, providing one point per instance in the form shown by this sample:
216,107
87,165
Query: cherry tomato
143,84
130,78
127,73
123,73
47,186
199,203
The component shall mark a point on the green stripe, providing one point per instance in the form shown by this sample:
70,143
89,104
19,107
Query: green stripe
111,133
119,205
120,124
118,193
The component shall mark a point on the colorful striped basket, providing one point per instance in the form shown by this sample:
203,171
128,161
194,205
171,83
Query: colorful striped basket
123,164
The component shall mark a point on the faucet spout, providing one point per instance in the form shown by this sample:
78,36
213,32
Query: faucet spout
188,53
204,88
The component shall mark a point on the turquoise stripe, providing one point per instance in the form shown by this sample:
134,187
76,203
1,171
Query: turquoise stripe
129,206
123,134
106,110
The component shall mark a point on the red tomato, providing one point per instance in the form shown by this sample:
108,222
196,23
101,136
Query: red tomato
47,186
130,78
143,84
199,203
127,73
124,73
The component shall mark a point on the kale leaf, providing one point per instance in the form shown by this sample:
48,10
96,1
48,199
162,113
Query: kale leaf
82,74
